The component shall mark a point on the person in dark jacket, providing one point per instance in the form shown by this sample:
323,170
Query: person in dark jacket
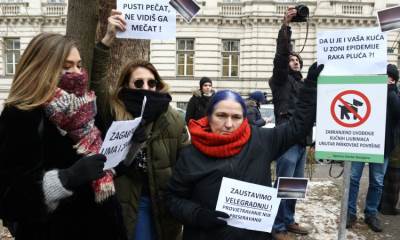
391,185
198,103
225,145
285,84
376,170
50,173
253,108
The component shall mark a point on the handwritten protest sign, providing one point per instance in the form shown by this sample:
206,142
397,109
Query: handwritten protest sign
250,206
117,141
150,19
352,52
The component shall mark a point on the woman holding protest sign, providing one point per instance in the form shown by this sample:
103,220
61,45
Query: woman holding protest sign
225,145
153,150
52,183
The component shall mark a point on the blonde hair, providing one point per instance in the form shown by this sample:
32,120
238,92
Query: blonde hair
117,106
39,70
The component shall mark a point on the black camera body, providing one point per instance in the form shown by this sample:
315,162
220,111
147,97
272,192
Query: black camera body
302,13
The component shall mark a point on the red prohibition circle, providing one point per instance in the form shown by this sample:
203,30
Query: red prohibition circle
339,97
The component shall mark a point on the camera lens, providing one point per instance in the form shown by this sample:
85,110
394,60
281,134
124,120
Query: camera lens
303,11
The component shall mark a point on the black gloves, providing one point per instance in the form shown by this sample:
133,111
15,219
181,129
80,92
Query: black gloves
140,134
83,171
313,73
210,219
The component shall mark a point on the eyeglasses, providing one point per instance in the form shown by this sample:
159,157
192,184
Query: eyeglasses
139,83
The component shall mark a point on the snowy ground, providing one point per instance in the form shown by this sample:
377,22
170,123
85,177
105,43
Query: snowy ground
321,209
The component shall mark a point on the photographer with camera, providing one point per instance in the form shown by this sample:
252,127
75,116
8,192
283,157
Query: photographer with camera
285,84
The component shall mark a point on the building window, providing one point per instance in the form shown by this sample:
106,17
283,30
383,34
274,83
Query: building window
12,54
185,57
230,58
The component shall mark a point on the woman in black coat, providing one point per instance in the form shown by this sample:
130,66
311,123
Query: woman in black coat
225,145
52,183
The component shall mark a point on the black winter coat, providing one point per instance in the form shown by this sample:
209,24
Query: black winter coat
284,83
31,145
197,106
392,118
196,179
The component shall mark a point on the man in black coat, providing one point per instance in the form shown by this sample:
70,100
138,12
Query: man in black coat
376,170
285,84
198,103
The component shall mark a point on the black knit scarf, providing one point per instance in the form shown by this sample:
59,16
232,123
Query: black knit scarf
157,103
296,74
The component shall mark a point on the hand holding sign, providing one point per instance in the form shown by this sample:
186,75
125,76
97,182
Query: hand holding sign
210,219
116,23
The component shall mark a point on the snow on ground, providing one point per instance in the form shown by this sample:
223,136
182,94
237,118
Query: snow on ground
320,212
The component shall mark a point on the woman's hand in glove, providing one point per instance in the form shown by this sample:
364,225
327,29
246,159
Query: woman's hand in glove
83,171
210,219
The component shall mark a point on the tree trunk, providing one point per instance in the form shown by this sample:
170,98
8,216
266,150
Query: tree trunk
122,50
81,26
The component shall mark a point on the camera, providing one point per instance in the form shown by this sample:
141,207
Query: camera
302,13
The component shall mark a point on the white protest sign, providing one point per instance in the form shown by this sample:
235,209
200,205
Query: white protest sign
150,19
250,206
351,116
117,141
352,52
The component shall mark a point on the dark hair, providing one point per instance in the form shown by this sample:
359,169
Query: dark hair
225,95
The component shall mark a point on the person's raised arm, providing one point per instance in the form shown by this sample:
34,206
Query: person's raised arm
101,63
283,48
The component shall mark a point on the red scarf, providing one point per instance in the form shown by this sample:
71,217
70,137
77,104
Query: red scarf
217,145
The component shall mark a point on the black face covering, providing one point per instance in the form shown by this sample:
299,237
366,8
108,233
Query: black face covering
157,103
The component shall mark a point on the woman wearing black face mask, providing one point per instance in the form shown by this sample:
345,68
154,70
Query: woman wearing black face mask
153,152
52,182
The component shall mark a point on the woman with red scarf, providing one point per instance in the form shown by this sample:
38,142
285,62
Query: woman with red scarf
225,145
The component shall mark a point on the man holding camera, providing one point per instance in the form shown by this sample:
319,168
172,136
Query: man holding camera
285,84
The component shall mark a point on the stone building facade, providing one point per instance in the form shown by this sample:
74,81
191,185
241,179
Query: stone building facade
231,41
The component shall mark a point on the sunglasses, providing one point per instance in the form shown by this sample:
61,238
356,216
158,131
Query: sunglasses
139,83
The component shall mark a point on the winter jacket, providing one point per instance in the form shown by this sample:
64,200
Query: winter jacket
31,145
168,135
392,118
253,114
197,106
284,83
196,180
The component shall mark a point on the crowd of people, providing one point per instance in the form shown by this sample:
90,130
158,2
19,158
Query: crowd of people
52,182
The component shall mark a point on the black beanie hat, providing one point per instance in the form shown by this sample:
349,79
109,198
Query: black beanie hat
204,80
393,72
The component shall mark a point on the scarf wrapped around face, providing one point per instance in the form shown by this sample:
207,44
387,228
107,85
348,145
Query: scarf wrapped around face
72,109
157,103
